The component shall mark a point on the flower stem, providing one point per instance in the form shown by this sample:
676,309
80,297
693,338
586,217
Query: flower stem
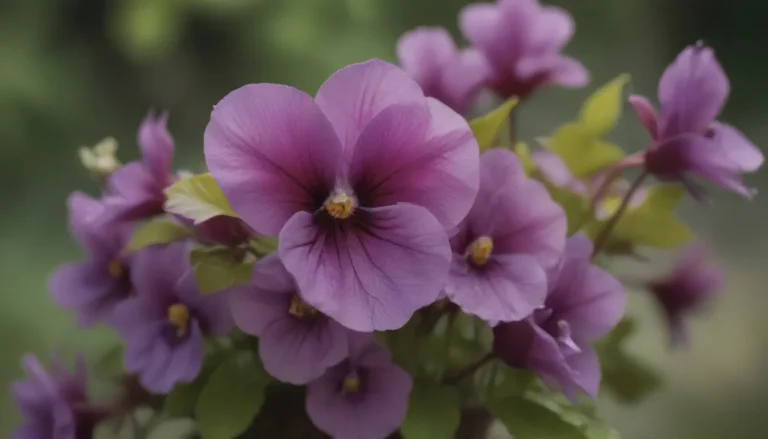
469,370
602,238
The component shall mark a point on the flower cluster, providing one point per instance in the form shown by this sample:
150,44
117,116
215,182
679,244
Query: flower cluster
332,230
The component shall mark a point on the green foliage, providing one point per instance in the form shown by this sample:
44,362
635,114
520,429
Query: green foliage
486,128
219,268
602,111
524,155
157,232
232,397
183,398
623,375
433,412
198,198
575,206
528,419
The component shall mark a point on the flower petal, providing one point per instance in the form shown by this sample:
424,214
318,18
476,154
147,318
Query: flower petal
156,145
83,210
463,79
159,271
551,31
354,95
739,149
88,289
559,70
272,151
478,23
646,113
424,52
132,194
371,275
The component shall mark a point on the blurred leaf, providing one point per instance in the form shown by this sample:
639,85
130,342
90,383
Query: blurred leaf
601,111
526,419
524,154
219,268
433,412
486,128
155,232
582,415
183,398
148,29
110,364
583,152
232,397
198,198
576,206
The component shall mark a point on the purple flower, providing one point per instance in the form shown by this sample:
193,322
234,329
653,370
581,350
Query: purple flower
522,42
361,184
135,191
364,397
692,282
584,304
512,236
297,344
686,137
450,76
94,287
164,324
553,169
54,404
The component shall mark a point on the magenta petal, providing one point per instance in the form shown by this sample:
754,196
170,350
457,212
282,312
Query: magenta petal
646,113
297,352
553,28
424,52
270,148
370,276
478,23
463,78
508,288
556,69
354,95
156,145
738,148
585,373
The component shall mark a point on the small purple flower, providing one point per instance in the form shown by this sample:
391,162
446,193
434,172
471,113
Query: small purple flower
522,42
584,304
54,404
453,77
297,344
135,191
686,137
164,324
361,184
364,397
94,287
692,282
511,238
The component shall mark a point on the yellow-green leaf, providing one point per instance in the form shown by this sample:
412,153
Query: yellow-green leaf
198,198
486,128
601,111
582,152
156,232
526,159
433,412
218,268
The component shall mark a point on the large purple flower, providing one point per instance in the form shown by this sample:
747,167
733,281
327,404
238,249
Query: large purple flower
54,403
522,42
164,324
453,77
364,397
511,238
686,137
691,283
584,304
297,344
93,288
360,183
135,191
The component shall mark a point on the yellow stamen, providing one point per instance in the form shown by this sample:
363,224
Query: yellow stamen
300,309
351,384
480,250
178,316
115,269
340,205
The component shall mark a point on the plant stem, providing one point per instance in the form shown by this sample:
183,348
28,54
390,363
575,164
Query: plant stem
602,238
469,370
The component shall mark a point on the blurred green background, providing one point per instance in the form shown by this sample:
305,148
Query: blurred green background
75,71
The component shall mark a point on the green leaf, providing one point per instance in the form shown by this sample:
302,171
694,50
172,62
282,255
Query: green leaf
183,398
486,128
526,419
526,159
232,397
433,412
575,206
198,198
219,268
582,151
581,416
601,111
157,232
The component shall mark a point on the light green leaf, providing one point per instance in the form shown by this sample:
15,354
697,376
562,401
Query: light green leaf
583,152
156,232
526,419
486,128
601,111
198,198
433,412
526,159
219,268
232,397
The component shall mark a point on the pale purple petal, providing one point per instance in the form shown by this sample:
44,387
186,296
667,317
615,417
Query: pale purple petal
83,211
462,80
186,359
424,53
585,371
372,276
560,70
156,145
270,148
254,309
156,271
737,147
212,310
354,95
89,289
478,23
646,113
552,30
132,194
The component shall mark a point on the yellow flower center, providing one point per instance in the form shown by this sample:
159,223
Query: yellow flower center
351,384
300,309
340,205
115,269
178,316
480,250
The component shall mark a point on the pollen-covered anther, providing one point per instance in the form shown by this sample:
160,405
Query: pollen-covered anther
351,384
480,250
340,205
115,269
178,316
300,309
